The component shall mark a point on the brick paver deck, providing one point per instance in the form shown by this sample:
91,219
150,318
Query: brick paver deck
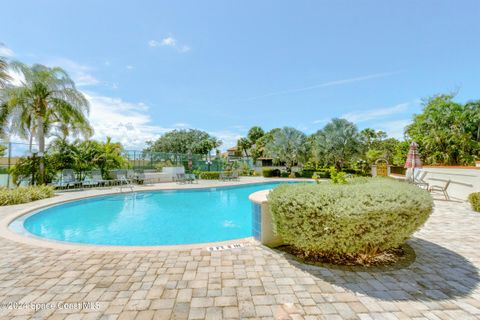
253,282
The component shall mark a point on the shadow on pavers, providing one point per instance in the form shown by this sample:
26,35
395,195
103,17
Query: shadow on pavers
431,273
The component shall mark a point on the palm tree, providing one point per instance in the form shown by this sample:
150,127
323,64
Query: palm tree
289,146
4,76
337,143
45,102
244,144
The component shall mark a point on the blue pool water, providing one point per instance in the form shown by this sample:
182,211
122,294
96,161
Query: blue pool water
151,218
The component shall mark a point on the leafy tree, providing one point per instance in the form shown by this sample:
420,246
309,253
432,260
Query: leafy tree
83,156
254,134
337,143
447,132
189,141
4,76
289,146
109,156
243,145
258,149
248,144
47,100
2,150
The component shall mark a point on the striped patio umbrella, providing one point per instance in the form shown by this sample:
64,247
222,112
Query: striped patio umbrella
413,159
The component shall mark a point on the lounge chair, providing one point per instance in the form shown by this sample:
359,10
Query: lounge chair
67,180
95,179
181,178
122,177
223,177
190,177
139,177
443,189
89,181
235,176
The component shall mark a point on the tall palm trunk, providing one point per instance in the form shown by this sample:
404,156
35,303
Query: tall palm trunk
41,149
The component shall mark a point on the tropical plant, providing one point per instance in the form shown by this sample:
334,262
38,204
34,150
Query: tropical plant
337,177
354,221
258,149
244,144
288,146
337,143
24,194
26,170
4,76
2,150
46,101
109,157
190,141
254,134
447,132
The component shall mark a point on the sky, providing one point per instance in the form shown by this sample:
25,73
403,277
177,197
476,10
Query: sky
148,67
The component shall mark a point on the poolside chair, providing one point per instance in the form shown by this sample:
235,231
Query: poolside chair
95,179
235,176
122,177
223,176
443,189
139,177
190,177
419,180
89,182
68,179
181,178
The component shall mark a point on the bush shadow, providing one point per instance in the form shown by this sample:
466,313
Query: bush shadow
434,273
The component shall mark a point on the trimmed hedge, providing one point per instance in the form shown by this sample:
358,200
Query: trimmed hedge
24,194
365,217
212,175
474,199
268,173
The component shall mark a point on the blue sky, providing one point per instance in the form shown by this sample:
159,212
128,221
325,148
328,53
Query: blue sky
223,66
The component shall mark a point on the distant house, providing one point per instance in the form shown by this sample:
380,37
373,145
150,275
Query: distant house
264,162
233,153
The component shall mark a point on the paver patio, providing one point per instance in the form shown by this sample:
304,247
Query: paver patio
253,282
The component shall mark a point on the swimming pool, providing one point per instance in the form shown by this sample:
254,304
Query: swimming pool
151,218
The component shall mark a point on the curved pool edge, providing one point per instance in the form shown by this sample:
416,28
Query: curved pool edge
32,207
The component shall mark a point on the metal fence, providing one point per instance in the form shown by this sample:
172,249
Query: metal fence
12,152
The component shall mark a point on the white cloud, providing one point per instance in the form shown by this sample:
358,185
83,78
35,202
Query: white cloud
320,121
129,67
171,42
324,85
181,125
367,115
126,122
81,74
229,138
153,43
6,51
394,128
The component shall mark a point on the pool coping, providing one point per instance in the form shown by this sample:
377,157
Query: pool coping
31,239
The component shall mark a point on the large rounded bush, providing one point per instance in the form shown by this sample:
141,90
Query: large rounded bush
365,217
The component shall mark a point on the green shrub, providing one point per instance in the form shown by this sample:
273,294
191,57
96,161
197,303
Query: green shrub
337,177
365,217
212,175
474,199
268,172
307,173
24,194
